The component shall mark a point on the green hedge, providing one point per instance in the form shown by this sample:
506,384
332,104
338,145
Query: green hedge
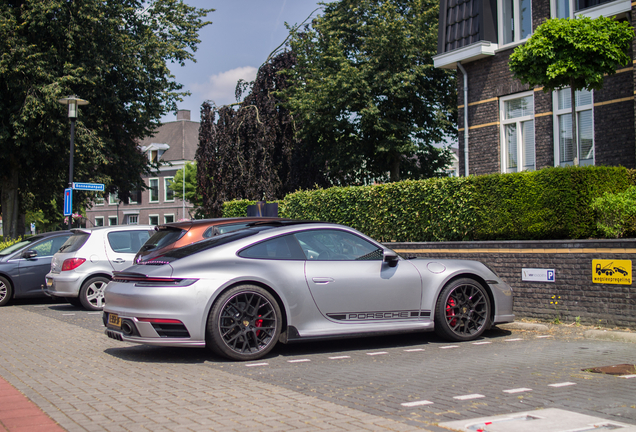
552,203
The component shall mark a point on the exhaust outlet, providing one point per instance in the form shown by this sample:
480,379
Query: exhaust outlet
126,328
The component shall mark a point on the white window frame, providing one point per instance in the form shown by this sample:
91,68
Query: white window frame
150,190
168,215
518,120
516,20
99,199
165,189
133,219
150,219
558,112
113,199
100,218
110,220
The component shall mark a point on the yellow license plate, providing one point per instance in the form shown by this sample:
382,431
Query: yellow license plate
114,320
49,282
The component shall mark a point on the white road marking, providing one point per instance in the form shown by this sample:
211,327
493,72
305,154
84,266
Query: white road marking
417,403
94,313
628,376
449,346
544,336
481,343
68,314
513,340
339,357
563,384
298,361
414,349
468,397
256,364
517,390
377,353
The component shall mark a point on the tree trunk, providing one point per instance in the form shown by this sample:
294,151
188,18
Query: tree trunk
574,127
10,203
395,169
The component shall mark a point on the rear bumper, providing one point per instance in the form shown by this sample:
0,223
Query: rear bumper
61,285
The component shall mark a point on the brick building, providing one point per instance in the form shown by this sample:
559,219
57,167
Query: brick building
174,143
505,126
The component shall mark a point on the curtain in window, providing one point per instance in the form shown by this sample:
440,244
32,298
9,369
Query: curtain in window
511,141
527,134
586,136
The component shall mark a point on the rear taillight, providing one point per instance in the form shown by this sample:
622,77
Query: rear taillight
72,263
160,320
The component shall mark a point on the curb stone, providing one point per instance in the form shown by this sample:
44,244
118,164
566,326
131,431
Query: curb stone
619,336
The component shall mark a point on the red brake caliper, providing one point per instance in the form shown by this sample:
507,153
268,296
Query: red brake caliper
450,312
258,323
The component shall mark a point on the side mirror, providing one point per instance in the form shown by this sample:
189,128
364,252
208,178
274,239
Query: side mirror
391,258
29,254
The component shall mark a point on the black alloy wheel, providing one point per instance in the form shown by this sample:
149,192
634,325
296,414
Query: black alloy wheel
244,323
462,312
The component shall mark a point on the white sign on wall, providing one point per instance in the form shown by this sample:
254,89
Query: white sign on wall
537,275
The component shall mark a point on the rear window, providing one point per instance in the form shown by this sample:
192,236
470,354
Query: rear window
162,238
225,228
74,242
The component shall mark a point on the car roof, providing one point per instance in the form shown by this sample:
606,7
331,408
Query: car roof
48,234
215,221
112,228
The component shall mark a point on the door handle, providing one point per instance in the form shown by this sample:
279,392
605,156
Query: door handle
119,261
322,280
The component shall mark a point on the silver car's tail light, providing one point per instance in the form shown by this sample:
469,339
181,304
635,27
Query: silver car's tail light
72,263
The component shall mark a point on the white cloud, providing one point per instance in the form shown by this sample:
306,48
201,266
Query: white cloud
220,87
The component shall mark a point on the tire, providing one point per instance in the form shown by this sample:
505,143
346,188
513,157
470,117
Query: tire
75,301
6,291
91,295
462,312
244,323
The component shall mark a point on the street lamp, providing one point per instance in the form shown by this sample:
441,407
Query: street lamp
72,102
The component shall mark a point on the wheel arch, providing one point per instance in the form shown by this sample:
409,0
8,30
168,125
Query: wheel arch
269,289
482,282
10,280
94,275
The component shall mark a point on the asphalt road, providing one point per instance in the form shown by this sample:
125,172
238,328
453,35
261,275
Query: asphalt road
405,382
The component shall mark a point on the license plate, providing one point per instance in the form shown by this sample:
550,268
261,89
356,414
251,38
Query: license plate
49,282
114,320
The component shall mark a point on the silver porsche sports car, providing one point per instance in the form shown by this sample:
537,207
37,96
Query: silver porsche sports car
242,292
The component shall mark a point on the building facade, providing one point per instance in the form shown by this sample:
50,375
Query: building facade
174,144
505,126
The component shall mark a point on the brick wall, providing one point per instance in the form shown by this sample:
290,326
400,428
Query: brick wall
613,305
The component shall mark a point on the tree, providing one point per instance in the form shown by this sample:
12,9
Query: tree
366,93
114,54
574,53
191,194
250,149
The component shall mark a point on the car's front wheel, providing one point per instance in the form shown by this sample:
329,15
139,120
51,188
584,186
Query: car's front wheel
462,312
6,291
244,323
92,293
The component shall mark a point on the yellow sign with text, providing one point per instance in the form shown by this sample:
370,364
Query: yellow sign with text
612,271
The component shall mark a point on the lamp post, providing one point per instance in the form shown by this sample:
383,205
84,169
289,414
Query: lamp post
73,102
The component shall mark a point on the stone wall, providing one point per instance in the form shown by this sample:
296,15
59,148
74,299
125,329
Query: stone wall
573,290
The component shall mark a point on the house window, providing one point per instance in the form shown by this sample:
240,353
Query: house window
169,193
565,150
112,220
515,22
154,189
113,199
133,219
168,218
153,219
99,221
517,133
99,199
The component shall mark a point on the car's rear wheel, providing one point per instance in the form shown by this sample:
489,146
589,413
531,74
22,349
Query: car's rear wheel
6,291
462,312
91,294
244,323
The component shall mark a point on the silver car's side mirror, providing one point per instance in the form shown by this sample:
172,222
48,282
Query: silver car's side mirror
391,258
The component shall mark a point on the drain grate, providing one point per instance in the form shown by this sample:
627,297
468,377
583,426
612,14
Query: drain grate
620,369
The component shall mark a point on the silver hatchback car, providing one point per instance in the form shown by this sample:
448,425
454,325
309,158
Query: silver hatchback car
86,261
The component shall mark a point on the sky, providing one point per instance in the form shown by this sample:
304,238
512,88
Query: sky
242,34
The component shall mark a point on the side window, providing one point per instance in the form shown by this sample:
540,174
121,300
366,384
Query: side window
44,248
279,248
127,241
336,245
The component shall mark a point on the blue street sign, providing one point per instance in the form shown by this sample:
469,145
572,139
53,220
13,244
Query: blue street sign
89,186
68,202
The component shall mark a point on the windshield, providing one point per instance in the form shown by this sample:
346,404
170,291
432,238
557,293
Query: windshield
17,246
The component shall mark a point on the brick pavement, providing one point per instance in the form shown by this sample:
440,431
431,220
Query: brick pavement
87,382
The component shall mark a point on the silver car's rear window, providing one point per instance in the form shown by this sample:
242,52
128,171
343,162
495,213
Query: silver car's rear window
74,242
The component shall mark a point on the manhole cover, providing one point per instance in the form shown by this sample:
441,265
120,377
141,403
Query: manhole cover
621,369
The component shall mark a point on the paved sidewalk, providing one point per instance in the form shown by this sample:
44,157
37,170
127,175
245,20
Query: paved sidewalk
85,382
19,414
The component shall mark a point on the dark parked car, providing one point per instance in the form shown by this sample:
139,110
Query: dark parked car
178,234
24,265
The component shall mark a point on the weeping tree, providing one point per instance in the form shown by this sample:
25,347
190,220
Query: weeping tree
249,150
575,53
